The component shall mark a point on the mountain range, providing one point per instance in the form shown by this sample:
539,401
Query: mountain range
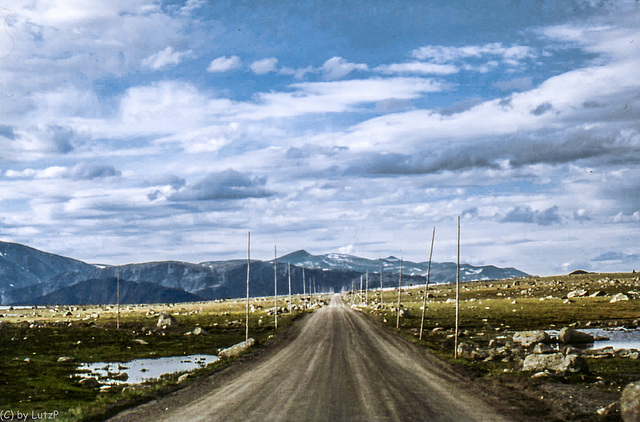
32,277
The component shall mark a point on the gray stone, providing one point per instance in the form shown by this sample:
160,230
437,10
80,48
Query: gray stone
556,362
62,359
576,293
183,377
199,331
140,341
572,336
542,349
91,382
630,402
122,376
619,297
166,320
527,338
236,349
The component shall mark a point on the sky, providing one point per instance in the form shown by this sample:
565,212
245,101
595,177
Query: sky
142,130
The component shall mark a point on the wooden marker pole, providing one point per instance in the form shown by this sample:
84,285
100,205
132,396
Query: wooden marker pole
275,285
399,290
360,295
248,278
366,291
455,352
118,297
304,289
381,302
290,302
426,284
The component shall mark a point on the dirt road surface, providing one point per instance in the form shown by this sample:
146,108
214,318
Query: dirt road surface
338,366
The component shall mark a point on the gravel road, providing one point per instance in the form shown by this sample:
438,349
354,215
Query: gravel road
337,366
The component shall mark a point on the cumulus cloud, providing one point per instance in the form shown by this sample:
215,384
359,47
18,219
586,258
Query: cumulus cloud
81,171
224,64
418,67
511,55
337,68
527,215
226,185
261,67
164,58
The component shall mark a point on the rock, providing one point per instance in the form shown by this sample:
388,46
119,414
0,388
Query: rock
556,362
546,375
570,350
597,293
527,338
62,359
630,402
166,320
572,336
619,297
576,293
183,377
542,349
199,331
140,341
122,376
608,410
236,349
91,382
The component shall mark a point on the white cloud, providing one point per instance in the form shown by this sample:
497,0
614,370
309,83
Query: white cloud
297,73
224,64
260,67
335,96
441,54
165,58
418,67
337,67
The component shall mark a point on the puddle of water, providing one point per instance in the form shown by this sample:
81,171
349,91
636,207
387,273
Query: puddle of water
619,338
141,370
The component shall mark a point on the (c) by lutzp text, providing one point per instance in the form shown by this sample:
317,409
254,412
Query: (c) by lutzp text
11,415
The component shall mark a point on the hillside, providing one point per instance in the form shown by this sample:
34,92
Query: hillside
29,276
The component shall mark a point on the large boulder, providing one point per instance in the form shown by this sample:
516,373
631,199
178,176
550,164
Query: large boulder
236,349
166,320
572,336
555,362
619,298
630,402
527,338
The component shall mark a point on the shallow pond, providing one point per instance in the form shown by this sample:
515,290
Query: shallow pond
141,370
619,338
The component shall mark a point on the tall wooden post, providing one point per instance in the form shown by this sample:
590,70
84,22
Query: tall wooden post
304,288
426,284
399,290
381,302
118,297
248,278
455,352
290,302
275,285
360,295
366,290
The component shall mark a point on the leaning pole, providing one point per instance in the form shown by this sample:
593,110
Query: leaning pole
426,284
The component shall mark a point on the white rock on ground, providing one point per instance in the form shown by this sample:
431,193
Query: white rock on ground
236,349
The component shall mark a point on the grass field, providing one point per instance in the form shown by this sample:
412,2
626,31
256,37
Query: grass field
491,311
32,380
